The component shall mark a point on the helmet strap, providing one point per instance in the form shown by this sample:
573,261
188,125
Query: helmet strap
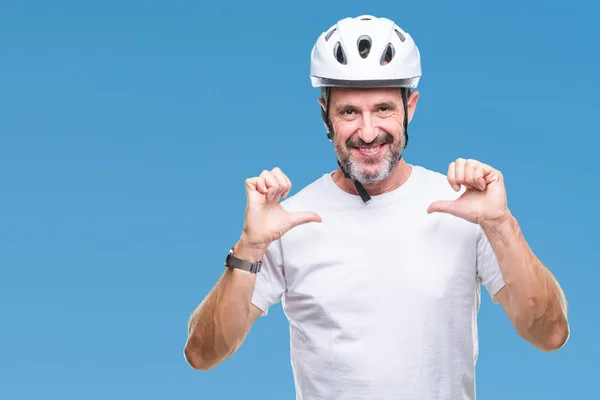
404,92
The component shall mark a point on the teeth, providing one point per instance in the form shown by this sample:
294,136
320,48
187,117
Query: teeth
369,149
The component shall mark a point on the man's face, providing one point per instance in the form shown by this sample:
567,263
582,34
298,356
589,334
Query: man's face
368,127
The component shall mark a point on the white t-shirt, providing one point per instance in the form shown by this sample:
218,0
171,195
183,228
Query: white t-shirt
381,297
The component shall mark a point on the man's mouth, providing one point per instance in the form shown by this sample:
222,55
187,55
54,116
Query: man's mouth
369,151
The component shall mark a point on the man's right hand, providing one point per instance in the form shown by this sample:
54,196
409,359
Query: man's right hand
266,220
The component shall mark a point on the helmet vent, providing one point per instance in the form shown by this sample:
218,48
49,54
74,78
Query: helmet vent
366,19
387,55
338,53
400,35
328,36
364,46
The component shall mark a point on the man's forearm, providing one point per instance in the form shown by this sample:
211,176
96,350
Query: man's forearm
218,325
535,301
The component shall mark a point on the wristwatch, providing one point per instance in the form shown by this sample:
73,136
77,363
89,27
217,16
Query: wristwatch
233,262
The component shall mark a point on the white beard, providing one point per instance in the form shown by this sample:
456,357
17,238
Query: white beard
367,176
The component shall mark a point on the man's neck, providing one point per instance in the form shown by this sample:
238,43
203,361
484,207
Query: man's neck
397,178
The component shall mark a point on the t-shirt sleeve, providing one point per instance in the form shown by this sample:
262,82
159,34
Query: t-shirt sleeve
270,280
488,269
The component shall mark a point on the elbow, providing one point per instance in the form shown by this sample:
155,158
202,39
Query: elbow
196,357
556,338
545,335
196,362
207,347
203,356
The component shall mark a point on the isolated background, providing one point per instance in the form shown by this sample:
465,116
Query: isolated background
127,129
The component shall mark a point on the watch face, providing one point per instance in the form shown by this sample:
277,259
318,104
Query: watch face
229,254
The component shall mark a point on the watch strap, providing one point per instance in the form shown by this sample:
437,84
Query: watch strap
233,262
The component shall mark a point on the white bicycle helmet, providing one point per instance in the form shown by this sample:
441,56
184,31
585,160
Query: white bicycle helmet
365,51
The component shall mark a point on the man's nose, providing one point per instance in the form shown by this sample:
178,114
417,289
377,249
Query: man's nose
368,130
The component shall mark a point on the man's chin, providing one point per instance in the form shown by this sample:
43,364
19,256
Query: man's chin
369,176
371,173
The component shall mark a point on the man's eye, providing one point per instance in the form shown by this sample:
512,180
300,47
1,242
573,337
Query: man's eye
348,112
385,109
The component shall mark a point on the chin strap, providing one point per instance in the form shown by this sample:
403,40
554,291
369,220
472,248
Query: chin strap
359,187
364,195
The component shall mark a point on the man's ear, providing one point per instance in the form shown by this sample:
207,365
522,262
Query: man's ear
412,104
323,109
322,103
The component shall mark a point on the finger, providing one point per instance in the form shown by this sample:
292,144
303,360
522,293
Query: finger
270,183
278,193
459,173
261,186
289,184
283,181
442,206
490,174
452,208
479,176
255,184
251,184
452,176
281,184
469,171
304,217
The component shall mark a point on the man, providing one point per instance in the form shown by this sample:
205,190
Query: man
379,264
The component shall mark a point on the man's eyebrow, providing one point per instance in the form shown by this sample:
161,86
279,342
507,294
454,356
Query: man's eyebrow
391,104
340,107
385,103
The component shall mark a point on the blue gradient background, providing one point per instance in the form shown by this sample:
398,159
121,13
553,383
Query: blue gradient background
127,130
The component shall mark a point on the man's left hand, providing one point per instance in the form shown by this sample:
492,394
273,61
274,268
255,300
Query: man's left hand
484,199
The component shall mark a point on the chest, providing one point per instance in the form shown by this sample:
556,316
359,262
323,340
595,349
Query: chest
365,269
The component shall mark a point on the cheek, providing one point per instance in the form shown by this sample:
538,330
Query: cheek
345,129
392,126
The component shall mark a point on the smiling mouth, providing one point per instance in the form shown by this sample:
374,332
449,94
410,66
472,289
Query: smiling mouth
369,151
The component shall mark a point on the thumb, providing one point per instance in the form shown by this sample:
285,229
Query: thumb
304,217
443,206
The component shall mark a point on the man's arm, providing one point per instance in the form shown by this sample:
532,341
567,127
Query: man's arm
222,321
532,297
220,324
